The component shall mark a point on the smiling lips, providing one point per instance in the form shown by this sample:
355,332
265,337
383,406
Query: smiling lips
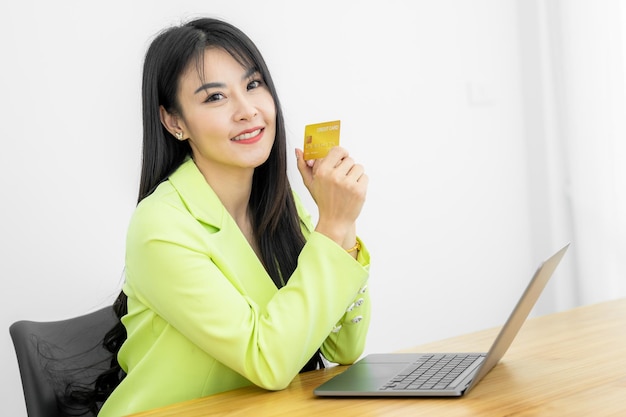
249,137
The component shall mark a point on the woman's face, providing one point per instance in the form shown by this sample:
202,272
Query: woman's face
229,116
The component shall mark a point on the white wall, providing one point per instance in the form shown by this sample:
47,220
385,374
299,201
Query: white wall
429,95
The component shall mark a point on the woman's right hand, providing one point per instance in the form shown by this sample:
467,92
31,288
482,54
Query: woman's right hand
338,185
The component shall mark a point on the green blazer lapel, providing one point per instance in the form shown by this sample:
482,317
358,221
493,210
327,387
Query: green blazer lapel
230,250
197,195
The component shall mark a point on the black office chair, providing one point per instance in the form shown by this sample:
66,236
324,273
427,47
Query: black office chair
51,354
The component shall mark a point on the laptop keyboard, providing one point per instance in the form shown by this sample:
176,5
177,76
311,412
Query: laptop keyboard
432,372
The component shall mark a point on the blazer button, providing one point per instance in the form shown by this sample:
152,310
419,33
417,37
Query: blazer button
357,319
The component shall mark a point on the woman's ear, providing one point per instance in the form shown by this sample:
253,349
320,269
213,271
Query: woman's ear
172,123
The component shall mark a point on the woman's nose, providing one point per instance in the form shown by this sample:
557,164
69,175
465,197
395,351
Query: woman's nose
245,108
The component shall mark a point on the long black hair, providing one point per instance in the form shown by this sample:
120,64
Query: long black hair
274,216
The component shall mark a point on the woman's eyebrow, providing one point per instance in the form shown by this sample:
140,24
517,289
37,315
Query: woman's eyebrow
209,85
249,73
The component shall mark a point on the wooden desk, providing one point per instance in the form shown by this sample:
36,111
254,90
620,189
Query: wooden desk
565,364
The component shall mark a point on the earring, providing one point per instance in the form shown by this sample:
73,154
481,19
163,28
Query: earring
179,135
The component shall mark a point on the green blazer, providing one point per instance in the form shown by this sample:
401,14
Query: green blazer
205,317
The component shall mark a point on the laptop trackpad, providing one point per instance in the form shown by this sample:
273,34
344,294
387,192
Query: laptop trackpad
368,374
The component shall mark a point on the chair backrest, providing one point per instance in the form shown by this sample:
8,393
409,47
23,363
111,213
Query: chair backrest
51,354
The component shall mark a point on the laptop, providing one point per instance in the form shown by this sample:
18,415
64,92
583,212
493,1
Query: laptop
436,374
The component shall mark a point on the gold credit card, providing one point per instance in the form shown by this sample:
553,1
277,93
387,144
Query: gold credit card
319,138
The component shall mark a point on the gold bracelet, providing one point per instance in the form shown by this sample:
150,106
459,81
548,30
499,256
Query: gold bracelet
355,247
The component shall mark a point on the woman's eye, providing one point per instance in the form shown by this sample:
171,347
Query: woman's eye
214,97
254,84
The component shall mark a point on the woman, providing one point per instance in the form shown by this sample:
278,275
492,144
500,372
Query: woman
227,281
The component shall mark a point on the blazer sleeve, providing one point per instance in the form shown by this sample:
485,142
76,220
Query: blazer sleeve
175,267
346,341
